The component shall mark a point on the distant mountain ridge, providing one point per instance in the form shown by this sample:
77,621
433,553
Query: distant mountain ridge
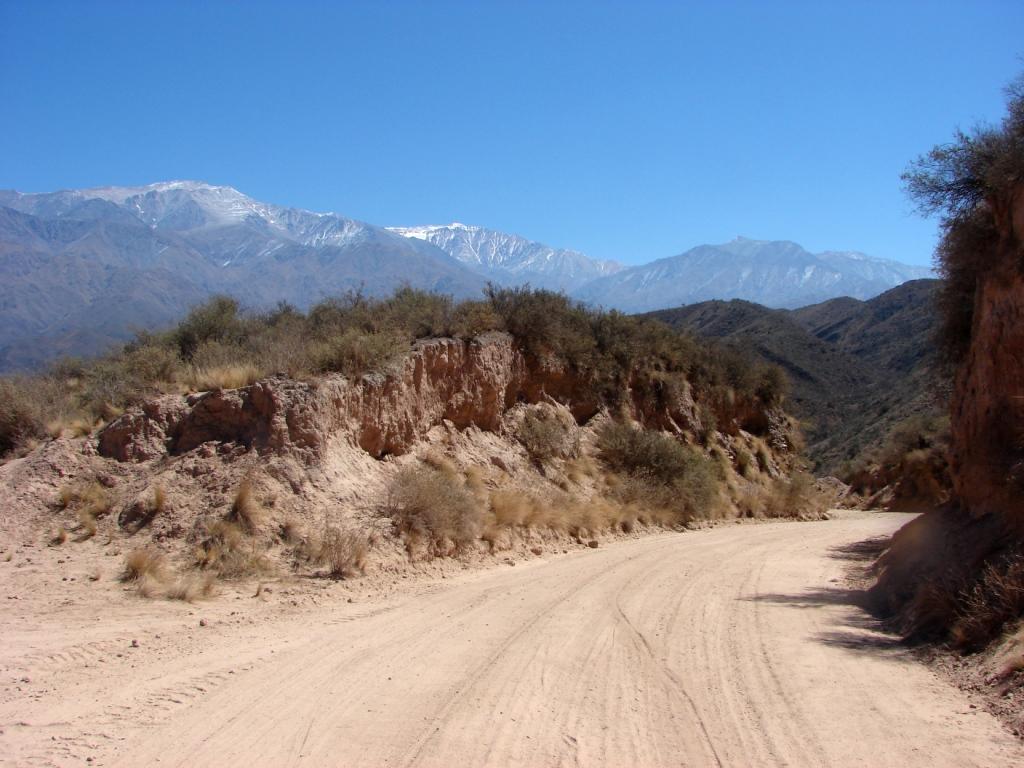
81,269
511,259
855,367
777,274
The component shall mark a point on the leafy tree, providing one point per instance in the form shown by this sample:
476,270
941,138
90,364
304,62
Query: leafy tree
971,183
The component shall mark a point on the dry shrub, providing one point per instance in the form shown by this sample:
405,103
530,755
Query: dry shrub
427,505
546,436
291,531
21,414
665,479
190,587
475,483
227,551
744,462
246,510
950,576
86,524
795,496
354,352
343,552
59,537
580,468
143,563
996,599
441,463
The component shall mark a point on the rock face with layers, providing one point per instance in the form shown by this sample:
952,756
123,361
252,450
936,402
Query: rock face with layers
466,383
987,417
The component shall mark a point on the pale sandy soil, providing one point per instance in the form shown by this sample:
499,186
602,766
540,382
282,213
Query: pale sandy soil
737,646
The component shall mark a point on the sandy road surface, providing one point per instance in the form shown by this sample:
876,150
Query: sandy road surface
737,646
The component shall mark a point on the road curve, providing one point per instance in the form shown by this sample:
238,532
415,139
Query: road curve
738,646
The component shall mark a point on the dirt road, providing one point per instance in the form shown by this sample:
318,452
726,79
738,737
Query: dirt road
738,646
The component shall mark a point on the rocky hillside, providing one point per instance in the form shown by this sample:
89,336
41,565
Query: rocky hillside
855,368
468,447
956,574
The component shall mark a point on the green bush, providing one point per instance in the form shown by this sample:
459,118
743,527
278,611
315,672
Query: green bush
662,471
216,319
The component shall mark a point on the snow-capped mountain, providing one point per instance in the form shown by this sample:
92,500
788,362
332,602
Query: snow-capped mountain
773,273
80,268
511,259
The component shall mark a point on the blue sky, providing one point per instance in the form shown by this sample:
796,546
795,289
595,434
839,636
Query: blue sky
626,130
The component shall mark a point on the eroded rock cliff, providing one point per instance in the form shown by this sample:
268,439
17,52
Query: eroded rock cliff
987,416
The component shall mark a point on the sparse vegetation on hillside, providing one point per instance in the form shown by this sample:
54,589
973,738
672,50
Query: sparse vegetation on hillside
659,472
912,460
218,345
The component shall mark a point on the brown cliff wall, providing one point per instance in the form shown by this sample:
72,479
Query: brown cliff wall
466,383
987,416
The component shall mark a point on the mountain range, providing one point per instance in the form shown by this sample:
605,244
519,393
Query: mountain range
771,273
511,259
81,269
855,367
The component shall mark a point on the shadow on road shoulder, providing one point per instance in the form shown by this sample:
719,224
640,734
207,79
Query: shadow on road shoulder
857,629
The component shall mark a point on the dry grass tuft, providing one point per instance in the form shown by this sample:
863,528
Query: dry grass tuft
512,509
159,500
70,427
246,511
59,537
291,531
86,524
92,498
221,377
995,600
191,587
580,468
427,505
343,552
475,483
441,463
229,552
143,563
744,463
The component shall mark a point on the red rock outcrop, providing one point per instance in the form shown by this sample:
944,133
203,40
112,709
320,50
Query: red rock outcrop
467,383
987,416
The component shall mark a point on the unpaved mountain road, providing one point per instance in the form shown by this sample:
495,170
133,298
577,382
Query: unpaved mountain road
738,646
